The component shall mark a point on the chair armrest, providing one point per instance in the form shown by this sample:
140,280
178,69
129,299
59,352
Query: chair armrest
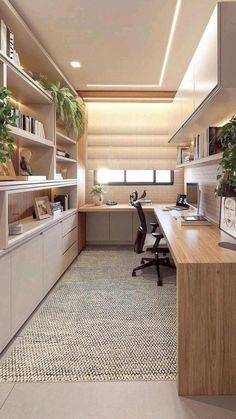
154,226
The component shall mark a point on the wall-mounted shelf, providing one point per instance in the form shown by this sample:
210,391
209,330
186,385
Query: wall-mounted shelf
205,160
64,139
65,159
26,138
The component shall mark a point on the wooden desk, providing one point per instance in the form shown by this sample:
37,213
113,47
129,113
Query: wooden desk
206,303
112,208
206,307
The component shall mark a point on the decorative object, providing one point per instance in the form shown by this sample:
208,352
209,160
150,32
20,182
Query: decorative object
42,207
97,191
226,176
228,220
7,171
64,171
116,328
70,109
25,157
15,229
7,118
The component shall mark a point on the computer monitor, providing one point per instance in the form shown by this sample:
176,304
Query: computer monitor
192,192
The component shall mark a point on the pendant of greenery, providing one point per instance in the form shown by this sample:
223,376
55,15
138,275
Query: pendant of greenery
97,189
70,109
6,118
226,176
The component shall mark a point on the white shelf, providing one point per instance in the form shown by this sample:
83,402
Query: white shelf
26,138
65,159
14,186
63,139
32,226
205,160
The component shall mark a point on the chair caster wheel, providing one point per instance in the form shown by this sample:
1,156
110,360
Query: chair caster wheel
142,261
133,273
159,283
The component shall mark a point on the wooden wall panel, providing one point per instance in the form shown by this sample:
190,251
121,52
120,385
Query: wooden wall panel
21,205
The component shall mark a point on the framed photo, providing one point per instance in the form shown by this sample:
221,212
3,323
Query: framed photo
42,207
228,215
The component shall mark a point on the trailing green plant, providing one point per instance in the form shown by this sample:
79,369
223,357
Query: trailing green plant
97,189
7,118
70,108
226,176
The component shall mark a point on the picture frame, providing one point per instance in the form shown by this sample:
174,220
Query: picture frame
228,215
42,207
7,171
214,140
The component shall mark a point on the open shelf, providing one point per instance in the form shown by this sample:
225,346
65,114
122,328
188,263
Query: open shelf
63,139
65,159
205,160
32,226
26,138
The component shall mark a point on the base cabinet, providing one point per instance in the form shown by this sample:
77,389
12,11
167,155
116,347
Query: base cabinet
27,280
5,307
29,271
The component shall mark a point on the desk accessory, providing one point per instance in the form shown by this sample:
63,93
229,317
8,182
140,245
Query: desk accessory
194,220
228,220
111,203
15,229
181,201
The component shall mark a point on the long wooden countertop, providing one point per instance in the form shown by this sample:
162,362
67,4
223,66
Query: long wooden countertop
194,244
112,208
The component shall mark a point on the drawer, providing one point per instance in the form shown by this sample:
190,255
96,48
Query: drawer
69,239
69,223
70,255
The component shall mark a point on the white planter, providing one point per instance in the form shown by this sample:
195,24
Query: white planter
98,199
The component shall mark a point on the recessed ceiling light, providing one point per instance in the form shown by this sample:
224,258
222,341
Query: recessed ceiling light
75,64
167,52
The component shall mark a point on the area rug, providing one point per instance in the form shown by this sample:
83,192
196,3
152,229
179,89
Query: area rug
100,324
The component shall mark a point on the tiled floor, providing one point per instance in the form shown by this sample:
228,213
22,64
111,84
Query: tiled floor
136,400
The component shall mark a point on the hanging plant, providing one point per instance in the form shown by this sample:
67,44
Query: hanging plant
226,176
7,118
70,109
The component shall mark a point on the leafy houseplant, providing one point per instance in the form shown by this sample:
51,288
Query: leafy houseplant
70,109
97,191
6,118
226,176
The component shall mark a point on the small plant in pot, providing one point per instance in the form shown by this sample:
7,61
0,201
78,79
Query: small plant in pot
97,191
226,176
6,118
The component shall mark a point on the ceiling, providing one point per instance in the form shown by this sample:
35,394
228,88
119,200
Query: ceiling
118,42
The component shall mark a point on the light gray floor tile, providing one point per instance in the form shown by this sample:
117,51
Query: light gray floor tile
5,389
124,400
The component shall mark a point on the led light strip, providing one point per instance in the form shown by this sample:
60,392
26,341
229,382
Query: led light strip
170,39
134,99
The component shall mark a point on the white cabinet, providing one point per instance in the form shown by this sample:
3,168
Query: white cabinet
27,280
5,287
97,227
206,62
52,253
187,93
121,227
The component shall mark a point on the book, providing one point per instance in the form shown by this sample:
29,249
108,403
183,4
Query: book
214,140
194,220
3,37
10,44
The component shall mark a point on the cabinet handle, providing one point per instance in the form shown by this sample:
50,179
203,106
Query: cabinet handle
41,233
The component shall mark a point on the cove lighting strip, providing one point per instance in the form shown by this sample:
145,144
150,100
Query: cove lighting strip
170,39
133,99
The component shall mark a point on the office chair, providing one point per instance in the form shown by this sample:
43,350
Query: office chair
154,242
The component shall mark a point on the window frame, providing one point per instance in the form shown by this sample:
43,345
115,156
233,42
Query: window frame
154,182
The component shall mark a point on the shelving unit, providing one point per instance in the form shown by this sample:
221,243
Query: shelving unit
205,160
65,159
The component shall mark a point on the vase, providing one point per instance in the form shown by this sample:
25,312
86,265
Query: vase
98,199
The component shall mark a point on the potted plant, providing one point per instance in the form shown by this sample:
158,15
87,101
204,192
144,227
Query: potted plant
226,176
97,191
70,109
7,118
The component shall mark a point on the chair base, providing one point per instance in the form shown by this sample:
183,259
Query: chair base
165,261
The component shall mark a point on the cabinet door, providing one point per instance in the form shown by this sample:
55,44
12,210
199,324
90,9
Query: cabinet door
121,227
187,93
5,314
52,256
175,116
27,280
97,227
206,62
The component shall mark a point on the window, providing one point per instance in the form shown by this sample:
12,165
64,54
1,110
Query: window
134,177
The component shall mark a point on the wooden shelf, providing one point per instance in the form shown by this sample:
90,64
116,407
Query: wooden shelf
65,159
205,160
63,139
26,138
14,186
32,226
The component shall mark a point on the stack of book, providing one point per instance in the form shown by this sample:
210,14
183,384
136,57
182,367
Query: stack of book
28,123
7,43
198,147
56,208
62,153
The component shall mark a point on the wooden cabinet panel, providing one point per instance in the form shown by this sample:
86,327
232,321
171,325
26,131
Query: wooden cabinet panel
69,239
27,280
121,227
69,223
206,62
97,227
187,93
5,287
70,255
52,251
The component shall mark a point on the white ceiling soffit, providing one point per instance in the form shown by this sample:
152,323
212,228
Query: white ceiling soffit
121,45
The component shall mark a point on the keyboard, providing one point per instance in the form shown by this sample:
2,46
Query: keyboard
175,214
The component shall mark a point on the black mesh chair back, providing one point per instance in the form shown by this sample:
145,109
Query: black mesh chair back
142,230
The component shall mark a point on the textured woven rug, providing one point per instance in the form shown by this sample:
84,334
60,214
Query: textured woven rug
99,323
